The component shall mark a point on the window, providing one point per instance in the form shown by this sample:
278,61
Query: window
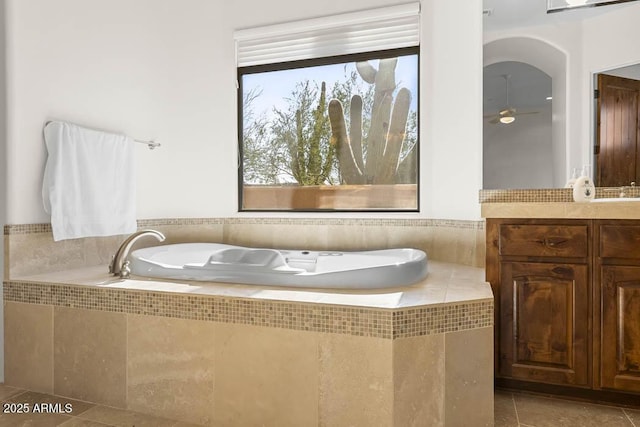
328,113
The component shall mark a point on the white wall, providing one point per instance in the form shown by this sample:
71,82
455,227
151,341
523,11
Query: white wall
3,175
516,155
165,69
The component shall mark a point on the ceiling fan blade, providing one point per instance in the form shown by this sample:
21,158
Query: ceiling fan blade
526,112
494,120
508,111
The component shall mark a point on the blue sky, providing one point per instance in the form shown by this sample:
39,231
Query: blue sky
277,85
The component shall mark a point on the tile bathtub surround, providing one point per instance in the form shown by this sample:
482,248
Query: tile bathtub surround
89,348
212,373
170,367
346,358
30,249
28,332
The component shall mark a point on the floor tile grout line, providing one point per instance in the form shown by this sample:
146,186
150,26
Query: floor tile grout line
19,392
515,408
93,421
628,417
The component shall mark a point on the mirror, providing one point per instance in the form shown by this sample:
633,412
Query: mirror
616,154
518,149
570,47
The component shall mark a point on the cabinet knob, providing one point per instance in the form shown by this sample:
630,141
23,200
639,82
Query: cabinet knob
552,242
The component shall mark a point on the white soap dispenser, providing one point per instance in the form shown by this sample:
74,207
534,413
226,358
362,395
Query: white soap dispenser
583,188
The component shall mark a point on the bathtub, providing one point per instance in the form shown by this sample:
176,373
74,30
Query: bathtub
217,262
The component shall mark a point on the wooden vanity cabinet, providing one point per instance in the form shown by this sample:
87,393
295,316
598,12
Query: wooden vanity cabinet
618,273
567,306
540,278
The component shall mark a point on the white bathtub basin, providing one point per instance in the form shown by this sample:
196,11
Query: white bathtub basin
215,262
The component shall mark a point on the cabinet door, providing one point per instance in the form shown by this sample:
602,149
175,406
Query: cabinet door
544,325
620,328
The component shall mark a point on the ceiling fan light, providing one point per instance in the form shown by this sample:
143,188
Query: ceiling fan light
507,119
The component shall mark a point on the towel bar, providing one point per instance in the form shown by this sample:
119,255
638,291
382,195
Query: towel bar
151,144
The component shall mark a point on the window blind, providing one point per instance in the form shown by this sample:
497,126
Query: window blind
364,31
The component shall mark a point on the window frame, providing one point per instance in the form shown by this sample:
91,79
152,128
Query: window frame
331,60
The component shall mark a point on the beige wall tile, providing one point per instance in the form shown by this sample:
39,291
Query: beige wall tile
5,258
418,366
28,344
170,367
469,378
277,236
90,355
37,253
265,377
411,237
356,384
347,237
188,233
99,250
481,248
452,244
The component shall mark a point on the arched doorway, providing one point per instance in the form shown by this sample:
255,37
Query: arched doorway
551,61
517,127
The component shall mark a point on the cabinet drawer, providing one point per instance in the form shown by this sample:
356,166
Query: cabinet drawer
544,240
620,241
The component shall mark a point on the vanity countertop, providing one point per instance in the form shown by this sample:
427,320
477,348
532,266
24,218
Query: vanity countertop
562,210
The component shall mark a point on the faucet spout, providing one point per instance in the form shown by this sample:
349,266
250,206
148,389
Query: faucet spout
118,266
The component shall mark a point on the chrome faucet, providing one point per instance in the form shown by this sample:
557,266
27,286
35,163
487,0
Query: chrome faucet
119,265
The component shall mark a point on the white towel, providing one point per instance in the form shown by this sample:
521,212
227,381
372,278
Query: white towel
89,185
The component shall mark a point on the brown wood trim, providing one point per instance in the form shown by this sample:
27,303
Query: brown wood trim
331,197
492,275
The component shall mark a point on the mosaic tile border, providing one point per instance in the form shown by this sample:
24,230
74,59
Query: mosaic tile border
366,222
550,195
26,229
146,223
527,196
418,321
346,320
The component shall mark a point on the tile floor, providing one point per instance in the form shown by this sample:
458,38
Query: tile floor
511,410
516,409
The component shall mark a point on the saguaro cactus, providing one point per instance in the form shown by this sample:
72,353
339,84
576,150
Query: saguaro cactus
307,164
383,143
